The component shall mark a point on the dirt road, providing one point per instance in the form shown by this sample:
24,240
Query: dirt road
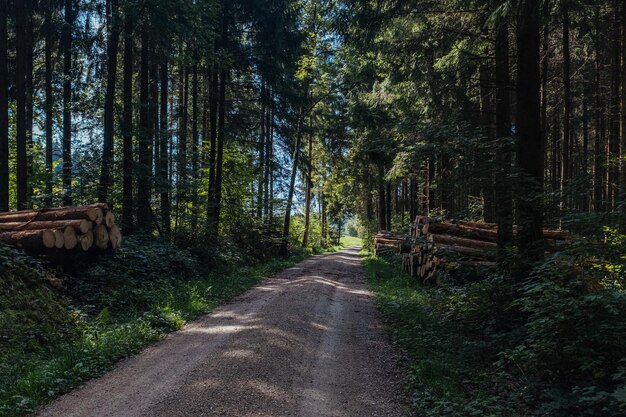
306,342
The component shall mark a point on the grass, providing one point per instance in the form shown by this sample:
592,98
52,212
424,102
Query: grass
117,317
351,241
449,365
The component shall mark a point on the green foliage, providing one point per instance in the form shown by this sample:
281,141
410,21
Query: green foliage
574,334
32,315
447,355
119,303
550,344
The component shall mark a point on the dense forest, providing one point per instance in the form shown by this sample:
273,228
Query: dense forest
216,124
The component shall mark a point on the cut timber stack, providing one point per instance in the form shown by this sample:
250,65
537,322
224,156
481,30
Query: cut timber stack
77,228
387,243
471,244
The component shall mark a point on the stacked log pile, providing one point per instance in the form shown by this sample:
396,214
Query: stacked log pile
387,242
78,228
433,242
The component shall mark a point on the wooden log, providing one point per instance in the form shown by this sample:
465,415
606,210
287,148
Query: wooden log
555,234
466,252
460,241
115,236
388,241
101,236
70,238
109,219
85,241
80,226
479,225
30,240
474,233
93,213
58,238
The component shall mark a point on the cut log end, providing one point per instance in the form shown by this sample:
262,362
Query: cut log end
101,237
109,219
69,235
86,241
59,240
115,236
49,239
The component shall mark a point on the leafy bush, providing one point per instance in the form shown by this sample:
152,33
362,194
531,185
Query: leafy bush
551,344
574,334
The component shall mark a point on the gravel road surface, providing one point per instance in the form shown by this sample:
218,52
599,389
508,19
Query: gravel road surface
306,342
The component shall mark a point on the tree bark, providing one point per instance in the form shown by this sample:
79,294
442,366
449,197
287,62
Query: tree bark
530,149
49,43
4,108
598,168
182,138
67,103
219,162
622,178
213,100
223,74
566,157
144,150
504,197
309,186
127,126
614,131
109,101
20,118
29,100
382,206
165,140
261,148
269,171
194,148
284,245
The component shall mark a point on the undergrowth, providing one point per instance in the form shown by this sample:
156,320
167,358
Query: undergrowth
447,359
552,344
53,339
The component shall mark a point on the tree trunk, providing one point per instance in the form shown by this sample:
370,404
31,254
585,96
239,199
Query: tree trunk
194,148
598,168
67,103
566,155
144,151
219,162
269,171
530,150
20,118
262,163
504,196
614,132
309,186
584,201
182,139
221,128
127,127
109,101
486,122
165,140
213,92
544,92
382,206
49,41
388,204
622,178
4,108
29,100
284,245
